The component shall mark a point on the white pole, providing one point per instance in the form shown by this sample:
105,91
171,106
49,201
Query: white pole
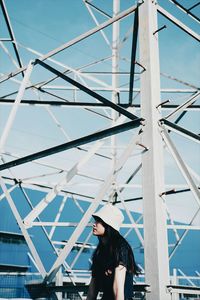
115,84
155,231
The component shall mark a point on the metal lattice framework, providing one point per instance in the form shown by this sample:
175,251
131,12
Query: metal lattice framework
105,134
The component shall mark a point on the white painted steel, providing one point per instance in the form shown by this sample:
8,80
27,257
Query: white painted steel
3,195
97,23
90,32
81,249
154,215
181,107
58,216
184,134
78,39
9,55
115,83
178,23
94,205
175,296
70,174
186,278
181,165
67,178
23,229
15,106
148,92
139,235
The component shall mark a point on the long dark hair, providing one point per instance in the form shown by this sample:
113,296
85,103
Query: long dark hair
110,247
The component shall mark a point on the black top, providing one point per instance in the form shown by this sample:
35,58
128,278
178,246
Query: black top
104,262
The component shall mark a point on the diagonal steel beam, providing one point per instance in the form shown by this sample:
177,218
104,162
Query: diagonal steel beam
66,266
178,23
16,105
139,235
96,22
87,90
121,15
183,235
93,206
185,10
184,105
133,56
61,207
180,130
13,61
50,196
66,146
23,230
181,165
11,32
78,39
67,178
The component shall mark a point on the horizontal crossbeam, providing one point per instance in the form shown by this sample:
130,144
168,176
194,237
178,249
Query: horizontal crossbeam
72,144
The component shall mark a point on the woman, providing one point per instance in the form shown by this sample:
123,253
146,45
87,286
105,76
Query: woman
113,263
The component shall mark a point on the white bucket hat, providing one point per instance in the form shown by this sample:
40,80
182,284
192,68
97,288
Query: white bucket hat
111,215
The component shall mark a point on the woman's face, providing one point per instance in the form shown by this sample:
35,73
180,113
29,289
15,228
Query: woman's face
98,228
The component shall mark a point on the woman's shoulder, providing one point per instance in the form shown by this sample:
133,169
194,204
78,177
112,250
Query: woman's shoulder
123,242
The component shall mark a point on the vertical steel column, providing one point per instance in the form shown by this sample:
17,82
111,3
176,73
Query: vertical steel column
115,83
155,232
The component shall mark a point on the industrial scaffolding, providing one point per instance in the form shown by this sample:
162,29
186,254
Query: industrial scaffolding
117,148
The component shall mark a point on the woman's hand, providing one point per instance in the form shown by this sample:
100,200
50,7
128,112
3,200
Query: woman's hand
119,281
108,272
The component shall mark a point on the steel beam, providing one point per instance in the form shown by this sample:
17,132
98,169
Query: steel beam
138,233
178,23
186,229
78,104
133,56
154,214
63,182
115,85
181,165
93,206
181,130
96,22
58,216
81,141
185,10
11,32
98,9
71,173
87,90
77,40
91,32
15,106
184,105
23,230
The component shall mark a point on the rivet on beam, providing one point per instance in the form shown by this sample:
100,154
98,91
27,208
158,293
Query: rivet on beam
162,103
141,145
161,28
167,192
137,63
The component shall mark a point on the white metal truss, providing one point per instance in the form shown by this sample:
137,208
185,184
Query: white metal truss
100,155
